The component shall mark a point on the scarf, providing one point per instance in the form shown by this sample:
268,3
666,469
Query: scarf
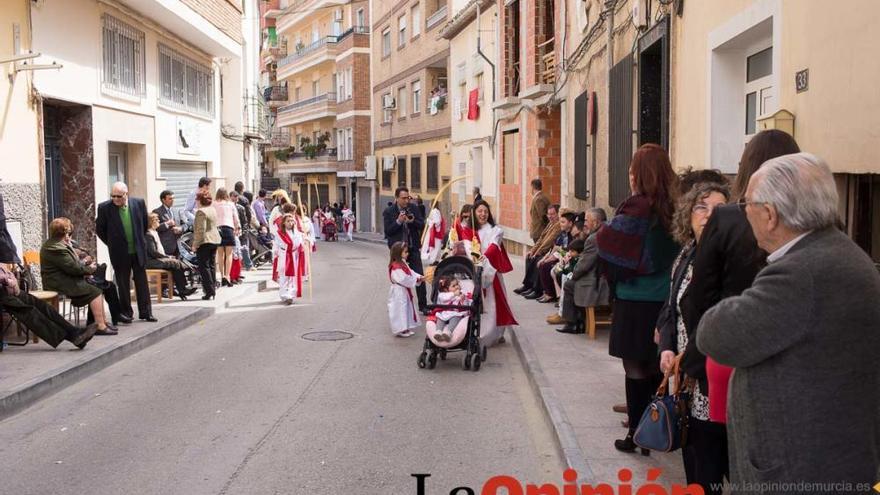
401,265
621,242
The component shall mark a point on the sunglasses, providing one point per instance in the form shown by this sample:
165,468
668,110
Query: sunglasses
117,196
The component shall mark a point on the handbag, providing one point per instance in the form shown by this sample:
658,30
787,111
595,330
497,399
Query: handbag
663,426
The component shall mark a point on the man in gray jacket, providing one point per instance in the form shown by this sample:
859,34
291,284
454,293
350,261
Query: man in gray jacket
586,288
804,400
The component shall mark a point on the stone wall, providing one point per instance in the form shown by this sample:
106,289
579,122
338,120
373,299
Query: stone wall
78,174
24,203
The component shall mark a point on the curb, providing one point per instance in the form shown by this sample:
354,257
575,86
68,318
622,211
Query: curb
49,383
253,288
566,441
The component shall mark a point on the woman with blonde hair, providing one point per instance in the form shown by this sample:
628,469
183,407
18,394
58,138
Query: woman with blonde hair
158,260
206,238
230,228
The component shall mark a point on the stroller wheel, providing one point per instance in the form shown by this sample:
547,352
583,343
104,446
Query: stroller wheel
422,361
432,360
485,352
443,355
466,363
475,362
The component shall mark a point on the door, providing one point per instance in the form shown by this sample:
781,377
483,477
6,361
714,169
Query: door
117,165
52,145
364,218
181,177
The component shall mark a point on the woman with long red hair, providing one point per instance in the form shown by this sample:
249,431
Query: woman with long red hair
638,251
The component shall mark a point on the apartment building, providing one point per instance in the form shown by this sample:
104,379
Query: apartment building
473,53
327,75
154,93
802,67
410,92
528,111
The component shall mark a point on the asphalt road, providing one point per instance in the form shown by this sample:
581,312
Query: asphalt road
242,404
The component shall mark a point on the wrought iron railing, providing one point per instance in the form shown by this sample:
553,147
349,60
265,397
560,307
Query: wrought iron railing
276,92
303,51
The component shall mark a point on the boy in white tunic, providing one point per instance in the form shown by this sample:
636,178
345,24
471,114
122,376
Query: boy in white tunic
402,312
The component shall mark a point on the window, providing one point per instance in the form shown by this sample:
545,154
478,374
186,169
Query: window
387,171
340,87
316,87
416,21
433,173
123,68
510,157
401,171
760,95
417,97
185,84
401,101
386,42
415,173
387,112
361,18
479,86
349,149
511,49
401,31
349,82
296,94
340,144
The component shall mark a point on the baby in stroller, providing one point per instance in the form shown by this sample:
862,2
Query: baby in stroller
442,323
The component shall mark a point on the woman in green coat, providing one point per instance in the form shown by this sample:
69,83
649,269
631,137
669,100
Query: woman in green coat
62,272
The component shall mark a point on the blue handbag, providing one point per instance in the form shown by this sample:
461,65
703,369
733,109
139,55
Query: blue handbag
663,426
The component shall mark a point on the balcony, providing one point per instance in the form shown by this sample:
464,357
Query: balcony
274,52
436,18
318,107
299,163
302,10
275,95
306,57
278,139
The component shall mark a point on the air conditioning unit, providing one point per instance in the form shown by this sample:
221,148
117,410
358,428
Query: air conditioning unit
388,102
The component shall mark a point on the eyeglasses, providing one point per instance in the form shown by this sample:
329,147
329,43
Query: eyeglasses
702,209
117,196
742,203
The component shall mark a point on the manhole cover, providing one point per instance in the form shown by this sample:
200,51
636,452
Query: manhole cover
331,335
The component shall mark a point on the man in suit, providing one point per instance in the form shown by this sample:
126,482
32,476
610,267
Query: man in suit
122,225
169,231
803,401
585,288
538,210
404,222
531,284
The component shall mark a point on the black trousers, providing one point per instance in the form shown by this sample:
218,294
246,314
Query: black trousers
111,295
415,262
39,317
531,272
129,268
570,312
705,455
207,267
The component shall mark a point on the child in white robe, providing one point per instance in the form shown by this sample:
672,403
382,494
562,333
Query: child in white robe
289,262
402,312
348,223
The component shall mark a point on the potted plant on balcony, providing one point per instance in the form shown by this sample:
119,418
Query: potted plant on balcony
311,150
284,153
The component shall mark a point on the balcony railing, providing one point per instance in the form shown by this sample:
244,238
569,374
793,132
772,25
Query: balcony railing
436,17
353,30
276,93
299,157
305,103
302,52
280,138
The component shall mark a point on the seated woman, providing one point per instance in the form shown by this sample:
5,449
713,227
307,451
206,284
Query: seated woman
157,260
63,273
38,316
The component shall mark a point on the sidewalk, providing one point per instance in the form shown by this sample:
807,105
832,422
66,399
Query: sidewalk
578,383
373,237
36,371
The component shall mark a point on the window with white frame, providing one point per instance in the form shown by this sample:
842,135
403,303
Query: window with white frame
759,92
184,83
361,18
123,58
478,82
340,87
417,96
349,82
401,101
340,144
401,31
348,144
316,88
416,20
386,42
386,111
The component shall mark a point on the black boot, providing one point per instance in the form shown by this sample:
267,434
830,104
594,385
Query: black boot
635,405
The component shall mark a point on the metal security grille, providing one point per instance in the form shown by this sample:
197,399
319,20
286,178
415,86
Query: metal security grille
433,173
415,176
185,84
181,178
620,130
123,67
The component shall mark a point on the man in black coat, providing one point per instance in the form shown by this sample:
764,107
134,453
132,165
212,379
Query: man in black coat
121,225
168,229
404,222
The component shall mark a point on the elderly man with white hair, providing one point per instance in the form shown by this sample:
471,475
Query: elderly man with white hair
121,225
804,400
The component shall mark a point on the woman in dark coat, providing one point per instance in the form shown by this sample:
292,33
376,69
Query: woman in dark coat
637,250
62,272
158,260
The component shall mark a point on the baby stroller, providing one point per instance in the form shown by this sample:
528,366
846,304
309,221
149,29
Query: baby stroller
189,259
329,230
466,336
261,249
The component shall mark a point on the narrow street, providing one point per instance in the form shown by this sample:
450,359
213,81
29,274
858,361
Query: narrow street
241,403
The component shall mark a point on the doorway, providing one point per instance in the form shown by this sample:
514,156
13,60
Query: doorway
117,167
654,86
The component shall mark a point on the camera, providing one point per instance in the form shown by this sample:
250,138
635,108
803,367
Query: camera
409,215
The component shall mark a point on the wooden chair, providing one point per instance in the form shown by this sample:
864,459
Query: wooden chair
160,279
590,321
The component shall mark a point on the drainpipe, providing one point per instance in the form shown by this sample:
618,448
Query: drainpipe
609,48
483,55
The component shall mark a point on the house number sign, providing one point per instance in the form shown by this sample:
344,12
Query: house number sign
802,80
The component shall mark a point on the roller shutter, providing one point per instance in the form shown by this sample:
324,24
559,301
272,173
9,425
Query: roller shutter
181,177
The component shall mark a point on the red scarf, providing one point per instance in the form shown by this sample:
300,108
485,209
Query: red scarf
400,265
497,256
288,269
436,233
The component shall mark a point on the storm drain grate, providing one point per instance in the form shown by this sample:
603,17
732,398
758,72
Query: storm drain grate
325,336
